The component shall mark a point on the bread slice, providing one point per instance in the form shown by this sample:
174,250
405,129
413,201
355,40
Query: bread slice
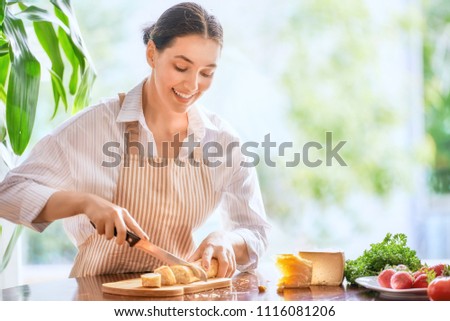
151,280
167,276
183,274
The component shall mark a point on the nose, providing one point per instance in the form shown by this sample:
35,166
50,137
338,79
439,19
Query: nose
191,82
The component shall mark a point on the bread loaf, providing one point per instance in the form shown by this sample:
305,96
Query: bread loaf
167,276
183,274
151,280
213,268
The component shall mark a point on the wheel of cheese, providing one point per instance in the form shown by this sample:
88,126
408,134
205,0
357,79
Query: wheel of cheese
328,266
151,280
296,271
167,276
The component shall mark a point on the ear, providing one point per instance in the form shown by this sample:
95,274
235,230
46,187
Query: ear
151,52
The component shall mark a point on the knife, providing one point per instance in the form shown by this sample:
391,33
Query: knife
135,241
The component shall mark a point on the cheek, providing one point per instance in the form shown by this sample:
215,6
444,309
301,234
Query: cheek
205,84
166,77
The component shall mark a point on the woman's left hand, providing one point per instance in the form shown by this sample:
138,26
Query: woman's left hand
218,245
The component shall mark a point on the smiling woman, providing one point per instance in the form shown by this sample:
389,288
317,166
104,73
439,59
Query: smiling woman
63,177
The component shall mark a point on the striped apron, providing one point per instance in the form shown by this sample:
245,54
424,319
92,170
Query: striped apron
169,198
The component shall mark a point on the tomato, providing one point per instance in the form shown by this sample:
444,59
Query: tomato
402,280
420,281
417,273
384,278
439,289
438,269
401,267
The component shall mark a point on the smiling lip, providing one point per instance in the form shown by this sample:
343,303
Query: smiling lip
182,95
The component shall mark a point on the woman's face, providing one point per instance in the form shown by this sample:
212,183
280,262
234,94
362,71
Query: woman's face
183,71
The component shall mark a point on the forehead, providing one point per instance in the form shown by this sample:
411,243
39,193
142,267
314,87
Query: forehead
199,50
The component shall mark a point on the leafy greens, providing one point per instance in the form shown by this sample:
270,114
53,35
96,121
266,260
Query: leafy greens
391,251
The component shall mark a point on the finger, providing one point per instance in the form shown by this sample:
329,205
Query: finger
109,230
206,257
223,265
232,266
121,230
133,225
100,227
197,255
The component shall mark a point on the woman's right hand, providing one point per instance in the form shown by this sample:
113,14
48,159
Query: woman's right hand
107,216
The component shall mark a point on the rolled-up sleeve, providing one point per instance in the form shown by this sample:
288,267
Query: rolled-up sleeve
244,213
27,188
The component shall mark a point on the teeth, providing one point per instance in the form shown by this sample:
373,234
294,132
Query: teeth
183,95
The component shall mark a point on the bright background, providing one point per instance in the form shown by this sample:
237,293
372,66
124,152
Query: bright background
296,70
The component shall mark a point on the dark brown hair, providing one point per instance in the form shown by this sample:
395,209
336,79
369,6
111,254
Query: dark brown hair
183,19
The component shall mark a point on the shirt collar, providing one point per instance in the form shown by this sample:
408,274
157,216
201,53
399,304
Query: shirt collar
131,110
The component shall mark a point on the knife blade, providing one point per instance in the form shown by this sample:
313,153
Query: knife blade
146,246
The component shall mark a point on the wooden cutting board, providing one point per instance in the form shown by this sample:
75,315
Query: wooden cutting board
133,287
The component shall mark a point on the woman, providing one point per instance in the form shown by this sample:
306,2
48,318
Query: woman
121,165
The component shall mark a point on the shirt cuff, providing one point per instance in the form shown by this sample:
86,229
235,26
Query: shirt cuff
253,249
34,200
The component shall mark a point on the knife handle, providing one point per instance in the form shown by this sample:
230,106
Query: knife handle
131,238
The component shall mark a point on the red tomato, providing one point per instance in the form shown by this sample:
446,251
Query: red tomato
402,280
417,273
420,281
438,269
401,267
439,289
384,278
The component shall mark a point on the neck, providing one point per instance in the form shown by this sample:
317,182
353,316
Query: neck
161,119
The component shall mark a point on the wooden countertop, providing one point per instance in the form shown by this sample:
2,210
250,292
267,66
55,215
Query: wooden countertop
245,288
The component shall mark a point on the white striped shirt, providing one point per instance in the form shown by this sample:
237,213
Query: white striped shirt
73,157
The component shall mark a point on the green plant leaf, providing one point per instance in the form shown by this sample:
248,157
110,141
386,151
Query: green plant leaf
74,48
82,96
4,44
4,71
63,11
67,47
57,85
2,11
23,85
10,248
49,42
37,14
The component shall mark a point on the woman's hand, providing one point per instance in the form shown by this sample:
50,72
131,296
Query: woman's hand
107,216
219,245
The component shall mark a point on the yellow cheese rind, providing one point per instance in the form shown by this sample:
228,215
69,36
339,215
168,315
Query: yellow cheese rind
296,271
183,274
328,267
151,280
167,276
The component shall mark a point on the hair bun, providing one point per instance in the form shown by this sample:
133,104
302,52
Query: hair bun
147,33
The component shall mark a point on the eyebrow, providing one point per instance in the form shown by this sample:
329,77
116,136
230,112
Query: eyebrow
191,62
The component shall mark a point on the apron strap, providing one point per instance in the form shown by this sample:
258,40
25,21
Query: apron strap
133,145
121,98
